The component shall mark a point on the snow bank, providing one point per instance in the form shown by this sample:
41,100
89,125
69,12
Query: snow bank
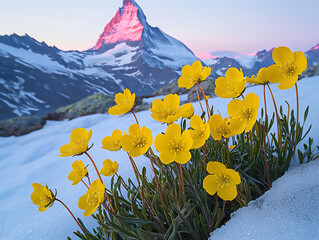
289,210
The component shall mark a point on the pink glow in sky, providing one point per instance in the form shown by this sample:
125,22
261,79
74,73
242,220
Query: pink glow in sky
202,25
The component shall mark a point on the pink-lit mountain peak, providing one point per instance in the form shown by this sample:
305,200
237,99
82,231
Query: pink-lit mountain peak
124,26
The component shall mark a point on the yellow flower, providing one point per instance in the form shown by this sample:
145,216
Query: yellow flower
125,102
79,171
220,127
79,143
138,141
200,131
193,74
173,146
221,180
232,85
93,198
261,77
167,110
232,147
243,113
113,142
186,110
42,197
109,168
287,68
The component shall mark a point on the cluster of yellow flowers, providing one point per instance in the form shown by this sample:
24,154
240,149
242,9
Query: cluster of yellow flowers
175,145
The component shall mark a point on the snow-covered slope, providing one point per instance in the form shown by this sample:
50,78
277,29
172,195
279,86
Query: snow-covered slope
288,211
33,158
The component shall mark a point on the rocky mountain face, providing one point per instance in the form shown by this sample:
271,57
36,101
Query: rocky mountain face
36,79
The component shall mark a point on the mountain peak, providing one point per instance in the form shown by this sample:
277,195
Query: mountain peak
125,25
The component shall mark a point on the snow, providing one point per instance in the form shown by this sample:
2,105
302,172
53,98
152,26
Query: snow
33,158
120,55
289,210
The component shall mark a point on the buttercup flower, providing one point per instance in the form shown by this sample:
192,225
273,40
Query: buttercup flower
79,171
193,74
261,77
167,110
186,110
220,127
138,141
173,146
222,180
42,197
93,198
125,102
200,131
232,85
244,112
113,142
109,168
79,143
287,68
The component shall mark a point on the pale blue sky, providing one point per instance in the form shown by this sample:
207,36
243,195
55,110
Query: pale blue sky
203,25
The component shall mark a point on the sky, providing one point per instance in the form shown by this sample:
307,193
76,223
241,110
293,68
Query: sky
202,25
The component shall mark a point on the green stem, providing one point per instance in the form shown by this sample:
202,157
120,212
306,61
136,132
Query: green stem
297,124
277,117
201,106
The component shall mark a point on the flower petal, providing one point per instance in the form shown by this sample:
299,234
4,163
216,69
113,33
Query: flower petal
282,55
234,177
228,192
210,184
300,62
234,108
216,168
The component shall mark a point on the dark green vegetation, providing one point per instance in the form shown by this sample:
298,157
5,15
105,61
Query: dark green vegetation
143,212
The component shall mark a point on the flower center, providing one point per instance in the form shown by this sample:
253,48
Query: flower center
287,69
223,180
175,147
246,114
222,130
139,141
92,198
45,200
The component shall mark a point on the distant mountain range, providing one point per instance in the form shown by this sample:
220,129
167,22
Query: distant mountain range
36,79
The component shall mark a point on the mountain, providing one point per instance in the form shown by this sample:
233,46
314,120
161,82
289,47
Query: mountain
36,79
250,63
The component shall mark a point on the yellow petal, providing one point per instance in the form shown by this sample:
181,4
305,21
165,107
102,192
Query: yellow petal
187,70
234,108
77,134
83,204
196,122
172,100
205,73
127,143
216,168
134,129
160,142
234,177
183,157
236,126
227,193
234,73
187,140
173,131
300,62
274,74
210,184
167,157
282,55
288,82
186,82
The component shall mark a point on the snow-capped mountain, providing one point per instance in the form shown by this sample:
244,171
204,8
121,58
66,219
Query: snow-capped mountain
36,78
250,63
